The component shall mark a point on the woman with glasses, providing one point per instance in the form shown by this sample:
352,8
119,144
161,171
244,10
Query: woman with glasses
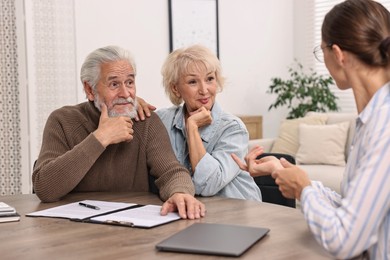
356,223
319,52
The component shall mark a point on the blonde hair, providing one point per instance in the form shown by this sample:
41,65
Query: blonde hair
181,61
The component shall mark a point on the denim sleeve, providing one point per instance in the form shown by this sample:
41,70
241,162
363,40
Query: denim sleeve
217,169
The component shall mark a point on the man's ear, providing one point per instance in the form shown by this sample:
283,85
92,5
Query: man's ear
89,91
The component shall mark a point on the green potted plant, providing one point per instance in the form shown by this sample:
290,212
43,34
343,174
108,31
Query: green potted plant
303,92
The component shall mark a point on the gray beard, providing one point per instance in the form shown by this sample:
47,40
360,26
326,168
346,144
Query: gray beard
132,113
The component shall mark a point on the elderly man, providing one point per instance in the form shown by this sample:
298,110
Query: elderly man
97,146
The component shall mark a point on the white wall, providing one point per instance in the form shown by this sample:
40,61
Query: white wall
140,26
256,44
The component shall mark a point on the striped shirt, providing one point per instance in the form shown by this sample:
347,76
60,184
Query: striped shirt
358,220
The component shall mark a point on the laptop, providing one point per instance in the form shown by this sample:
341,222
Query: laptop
213,239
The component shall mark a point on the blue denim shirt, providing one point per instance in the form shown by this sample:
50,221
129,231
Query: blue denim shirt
216,173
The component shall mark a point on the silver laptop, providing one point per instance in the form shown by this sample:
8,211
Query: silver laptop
213,239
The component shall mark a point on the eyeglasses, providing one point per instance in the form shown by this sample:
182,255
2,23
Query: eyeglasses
319,52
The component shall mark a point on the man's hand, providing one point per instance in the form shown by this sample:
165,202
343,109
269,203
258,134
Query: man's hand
186,204
291,180
143,109
113,130
258,167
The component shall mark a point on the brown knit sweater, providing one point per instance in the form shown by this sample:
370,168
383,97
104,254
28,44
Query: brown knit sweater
73,160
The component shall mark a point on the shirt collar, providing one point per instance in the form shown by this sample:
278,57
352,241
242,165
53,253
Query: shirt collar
380,98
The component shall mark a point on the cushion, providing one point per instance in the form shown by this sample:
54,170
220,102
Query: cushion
337,117
330,175
287,141
322,144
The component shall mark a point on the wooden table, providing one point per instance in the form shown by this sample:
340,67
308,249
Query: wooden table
54,238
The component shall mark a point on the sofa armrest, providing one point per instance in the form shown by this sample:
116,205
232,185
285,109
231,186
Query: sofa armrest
266,143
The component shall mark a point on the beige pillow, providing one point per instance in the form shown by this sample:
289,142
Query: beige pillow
322,144
287,141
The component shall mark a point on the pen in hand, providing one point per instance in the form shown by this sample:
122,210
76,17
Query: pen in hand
88,206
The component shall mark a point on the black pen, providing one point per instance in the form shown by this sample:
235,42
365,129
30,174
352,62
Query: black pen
120,223
88,205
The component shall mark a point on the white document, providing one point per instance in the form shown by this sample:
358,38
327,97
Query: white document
6,209
78,212
8,213
144,216
114,213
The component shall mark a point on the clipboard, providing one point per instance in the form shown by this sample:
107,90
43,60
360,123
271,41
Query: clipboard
111,213
141,216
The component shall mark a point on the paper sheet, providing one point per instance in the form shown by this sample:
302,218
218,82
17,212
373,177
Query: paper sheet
145,216
75,211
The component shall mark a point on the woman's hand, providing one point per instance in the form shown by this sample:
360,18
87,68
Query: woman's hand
199,118
143,109
196,149
291,179
258,167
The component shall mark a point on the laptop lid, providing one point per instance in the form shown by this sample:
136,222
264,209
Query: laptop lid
213,239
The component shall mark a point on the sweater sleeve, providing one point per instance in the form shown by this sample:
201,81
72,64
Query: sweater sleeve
171,176
59,167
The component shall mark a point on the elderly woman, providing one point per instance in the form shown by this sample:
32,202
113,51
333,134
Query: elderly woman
202,135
